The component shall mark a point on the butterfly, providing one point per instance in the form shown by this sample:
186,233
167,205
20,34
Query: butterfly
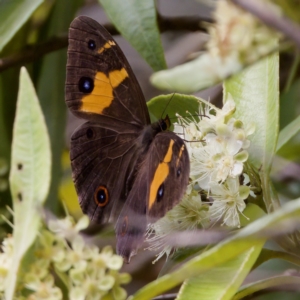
124,168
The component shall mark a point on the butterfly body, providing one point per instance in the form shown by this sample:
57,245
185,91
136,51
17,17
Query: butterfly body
125,169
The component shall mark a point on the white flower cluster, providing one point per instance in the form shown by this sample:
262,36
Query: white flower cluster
218,150
217,144
83,270
189,214
238,36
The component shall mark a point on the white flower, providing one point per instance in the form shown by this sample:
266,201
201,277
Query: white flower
189,214
6,256
217,144
44,289
237,34
204,163
217,161
189,130
228,201
87,272
67,227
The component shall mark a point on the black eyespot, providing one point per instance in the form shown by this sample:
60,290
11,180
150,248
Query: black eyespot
86,85
160,192
178,172
89,133
20,166
91,44
101,196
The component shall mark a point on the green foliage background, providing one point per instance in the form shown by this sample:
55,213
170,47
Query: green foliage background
27,23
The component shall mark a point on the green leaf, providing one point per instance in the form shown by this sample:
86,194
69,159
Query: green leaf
268,254
289,103
221,282
136,21
179,256
256,94
288,132
190,77
251,213
286,218
269,283
50,88
173,104
29,175
13,14
9,82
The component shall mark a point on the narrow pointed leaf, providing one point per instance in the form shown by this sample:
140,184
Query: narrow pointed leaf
192,76
136,21
13,14
286,218
53,69
274,282
221,282
256,94
30,174
268,254
288,132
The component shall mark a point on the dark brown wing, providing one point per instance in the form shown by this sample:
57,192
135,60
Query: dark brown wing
160,184
132,222
101,87
101,160
99,80
170,178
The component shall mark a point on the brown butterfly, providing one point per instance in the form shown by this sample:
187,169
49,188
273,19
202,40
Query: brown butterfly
125,169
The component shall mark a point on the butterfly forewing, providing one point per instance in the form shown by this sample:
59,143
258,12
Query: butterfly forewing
99,79
101,87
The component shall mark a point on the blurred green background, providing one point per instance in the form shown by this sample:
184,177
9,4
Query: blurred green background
36,31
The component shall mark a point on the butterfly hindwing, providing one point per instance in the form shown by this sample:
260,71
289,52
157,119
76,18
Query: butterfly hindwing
132,222
169,177
159,185
101,160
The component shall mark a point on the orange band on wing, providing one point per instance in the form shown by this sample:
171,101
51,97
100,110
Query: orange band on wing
179,156
106,46
102,94
160,175
117,76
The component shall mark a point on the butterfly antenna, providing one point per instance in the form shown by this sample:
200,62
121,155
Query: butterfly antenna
167,105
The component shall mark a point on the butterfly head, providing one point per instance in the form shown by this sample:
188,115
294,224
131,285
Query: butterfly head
162,124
